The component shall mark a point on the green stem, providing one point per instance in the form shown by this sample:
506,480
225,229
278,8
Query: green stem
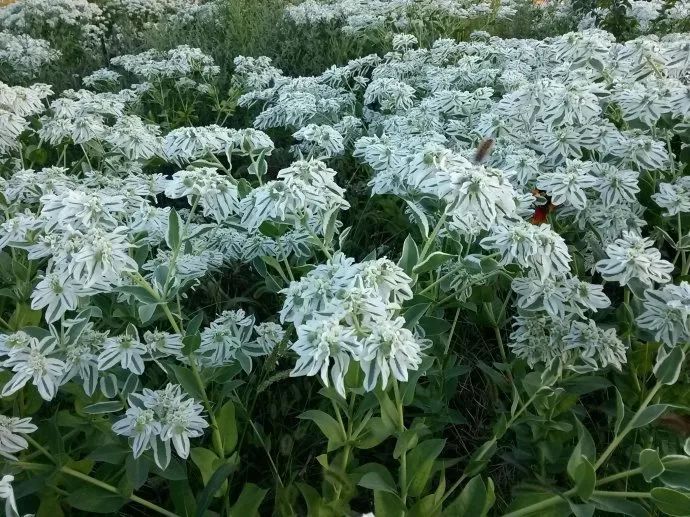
97,482
541,505
629,427
620,475
403,456
215,430
113,490
626,495
430,241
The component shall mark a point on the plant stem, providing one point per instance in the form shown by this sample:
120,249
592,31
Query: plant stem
96,482
619,437
430,241
541,505
631,495
403,455
620,475
215,430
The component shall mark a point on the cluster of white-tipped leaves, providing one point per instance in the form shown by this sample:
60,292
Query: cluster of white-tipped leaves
571,123
51,18
346,311
99,223
24,56
354,16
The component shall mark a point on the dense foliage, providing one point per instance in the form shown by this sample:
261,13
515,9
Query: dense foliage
403,258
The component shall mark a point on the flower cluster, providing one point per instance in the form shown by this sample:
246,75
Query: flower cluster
157,419
345,311
358,15
24,55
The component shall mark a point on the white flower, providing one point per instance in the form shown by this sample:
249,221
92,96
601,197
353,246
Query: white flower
181,422
567,184
36,364
614,184
674,197
320,141
597,347
536,338
126,350
157,418
11,431
531,246
7,493
318,342
269,335
389,349
667,313
59,294
103,257
141,425
634,257
161,344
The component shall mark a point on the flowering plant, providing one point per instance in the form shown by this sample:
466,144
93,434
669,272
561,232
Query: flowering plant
432,281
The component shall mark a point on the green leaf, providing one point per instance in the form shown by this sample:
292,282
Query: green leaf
377,481
671,501
146,311
137,471
581,510
471,501
217,480
374,433
676,471
194,324
424,507
191,343
174,238
328,425
409,256
141,294
480,458
585,479
388,505
93,499
249,501
389,413
112,453
620,412
407,440
651,464
182,498
420,462
205,460
434,326
227,426
312,498
669,365
648,415
49,506
432,262
100,408
185,377
619,505
585,448
420,218
414,313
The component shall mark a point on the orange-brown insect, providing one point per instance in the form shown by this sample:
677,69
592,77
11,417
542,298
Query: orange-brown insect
483,150
542,212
